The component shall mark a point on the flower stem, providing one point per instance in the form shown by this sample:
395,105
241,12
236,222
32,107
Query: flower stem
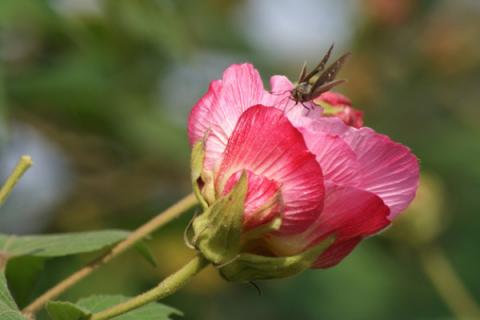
165,288
23,164
448,284
161,219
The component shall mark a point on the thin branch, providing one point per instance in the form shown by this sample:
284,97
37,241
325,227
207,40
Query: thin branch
448,285
23,164
134,237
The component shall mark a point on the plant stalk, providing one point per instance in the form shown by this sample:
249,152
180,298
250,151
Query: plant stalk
23,164
448,285
158,221
165,288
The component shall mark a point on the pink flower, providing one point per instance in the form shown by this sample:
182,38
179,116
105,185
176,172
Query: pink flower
321,177
339,106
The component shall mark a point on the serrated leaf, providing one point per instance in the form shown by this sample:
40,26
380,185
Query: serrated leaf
7,313
85,307
46,246
58,245
8,307
5,295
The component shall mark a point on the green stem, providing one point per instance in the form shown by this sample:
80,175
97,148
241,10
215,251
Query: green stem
165,288
137,235
23,164
448,284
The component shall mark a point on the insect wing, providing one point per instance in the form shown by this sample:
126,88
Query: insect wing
325,87
301,77
331,72
321,64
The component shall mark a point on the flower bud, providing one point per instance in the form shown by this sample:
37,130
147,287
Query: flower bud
337,105
284,188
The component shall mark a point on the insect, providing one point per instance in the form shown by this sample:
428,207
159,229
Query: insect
311,85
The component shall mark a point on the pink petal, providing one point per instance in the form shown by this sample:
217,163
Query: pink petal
336,253
198,121
265,143
388,169
351,116
330,125
348,213
280,97
337,160
217,112
315,121
280,85
304,117
262,202
334,99
385,167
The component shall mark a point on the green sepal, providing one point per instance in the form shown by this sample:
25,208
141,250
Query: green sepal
249,267
196,164
217,231
328,109
259,231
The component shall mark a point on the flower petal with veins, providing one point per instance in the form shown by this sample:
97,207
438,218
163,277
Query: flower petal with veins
265,143
263,200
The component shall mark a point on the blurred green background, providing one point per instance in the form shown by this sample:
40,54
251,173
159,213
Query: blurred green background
98,92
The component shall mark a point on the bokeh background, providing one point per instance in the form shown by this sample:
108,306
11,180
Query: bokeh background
98,92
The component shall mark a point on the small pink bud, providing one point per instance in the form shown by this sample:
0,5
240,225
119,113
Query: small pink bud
339,106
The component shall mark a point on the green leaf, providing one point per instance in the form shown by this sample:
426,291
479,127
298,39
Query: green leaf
151,311
85,307
8,307
58,245
7,313
44,246
61,310
22,274
146,253
5,295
